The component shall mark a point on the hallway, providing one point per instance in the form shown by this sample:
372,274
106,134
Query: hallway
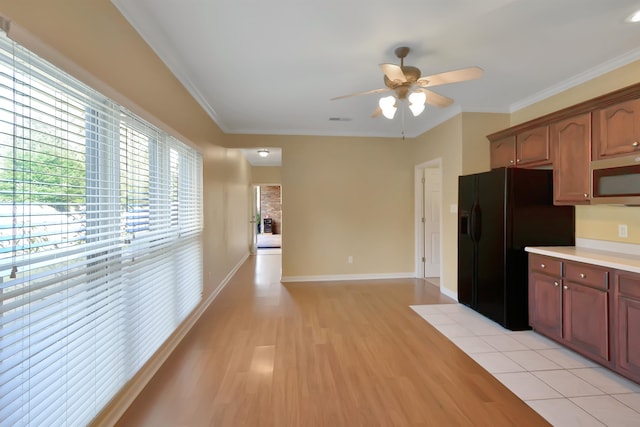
321,354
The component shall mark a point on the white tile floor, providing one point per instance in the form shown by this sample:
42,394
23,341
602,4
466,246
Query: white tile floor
562,386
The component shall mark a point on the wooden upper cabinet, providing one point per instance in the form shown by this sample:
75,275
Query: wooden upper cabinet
616,130
526,149
571,142
532,147
503,152
570,139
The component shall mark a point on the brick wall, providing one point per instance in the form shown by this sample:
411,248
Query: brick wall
270,206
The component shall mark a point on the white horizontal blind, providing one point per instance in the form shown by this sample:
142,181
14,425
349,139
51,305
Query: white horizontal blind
100,247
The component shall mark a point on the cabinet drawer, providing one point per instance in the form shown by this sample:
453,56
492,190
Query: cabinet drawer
590,275
546,265
628,285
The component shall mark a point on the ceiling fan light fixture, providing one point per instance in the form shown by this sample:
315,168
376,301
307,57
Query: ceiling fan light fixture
416,102
263,152
634,17
388,106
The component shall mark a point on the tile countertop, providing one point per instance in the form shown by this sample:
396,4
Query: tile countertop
621,258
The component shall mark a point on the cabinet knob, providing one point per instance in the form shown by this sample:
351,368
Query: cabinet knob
556,284
565,287
517,160
542,266
582,275
586,195
635,144
511,161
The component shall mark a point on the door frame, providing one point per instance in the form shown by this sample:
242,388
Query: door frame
418,214
256,188
253,221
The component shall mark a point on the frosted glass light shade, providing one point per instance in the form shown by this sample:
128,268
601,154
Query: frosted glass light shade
388,106
634,17
416,102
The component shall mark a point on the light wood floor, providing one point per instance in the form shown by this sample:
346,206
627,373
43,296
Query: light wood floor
322,354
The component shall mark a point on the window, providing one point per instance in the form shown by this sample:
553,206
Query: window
100,243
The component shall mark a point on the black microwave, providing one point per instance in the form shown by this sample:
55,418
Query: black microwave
616,181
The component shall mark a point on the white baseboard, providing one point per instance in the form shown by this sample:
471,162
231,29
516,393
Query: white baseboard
110,415
449,293
336,277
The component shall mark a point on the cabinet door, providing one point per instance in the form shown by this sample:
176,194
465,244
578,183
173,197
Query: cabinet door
571,142
586,320
628,338
532,147
545,305
627,295
616,130
503,152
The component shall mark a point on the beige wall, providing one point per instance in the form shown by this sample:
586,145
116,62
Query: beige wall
594,222
343,197
461,145
92,41
616,79
475,148
444,142
266,175
226,213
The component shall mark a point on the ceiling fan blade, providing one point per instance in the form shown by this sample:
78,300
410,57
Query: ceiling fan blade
376,113
454,76
393,72
386,89
437,99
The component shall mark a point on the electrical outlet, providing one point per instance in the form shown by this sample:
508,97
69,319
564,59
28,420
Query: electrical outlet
623,231
350,259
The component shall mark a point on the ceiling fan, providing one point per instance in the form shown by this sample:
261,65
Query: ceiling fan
407,83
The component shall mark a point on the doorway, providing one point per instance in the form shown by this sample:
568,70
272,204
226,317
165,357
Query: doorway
428,228
268,200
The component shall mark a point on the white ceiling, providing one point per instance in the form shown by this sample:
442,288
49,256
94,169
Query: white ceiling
271,67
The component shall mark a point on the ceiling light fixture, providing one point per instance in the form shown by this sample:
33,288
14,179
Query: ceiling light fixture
416,103
634,17
263,152
389,104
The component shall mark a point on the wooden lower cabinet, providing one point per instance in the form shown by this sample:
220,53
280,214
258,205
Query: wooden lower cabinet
545,295
627,324
570,302
585,321
546,313
593,310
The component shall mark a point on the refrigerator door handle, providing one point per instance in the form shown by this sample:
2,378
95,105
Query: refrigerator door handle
476,221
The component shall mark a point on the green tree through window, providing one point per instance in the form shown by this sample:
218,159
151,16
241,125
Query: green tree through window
45,173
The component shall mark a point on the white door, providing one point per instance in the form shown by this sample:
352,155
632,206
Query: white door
431,206
255,209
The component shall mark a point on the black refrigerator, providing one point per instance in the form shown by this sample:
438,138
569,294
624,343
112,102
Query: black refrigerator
500,212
